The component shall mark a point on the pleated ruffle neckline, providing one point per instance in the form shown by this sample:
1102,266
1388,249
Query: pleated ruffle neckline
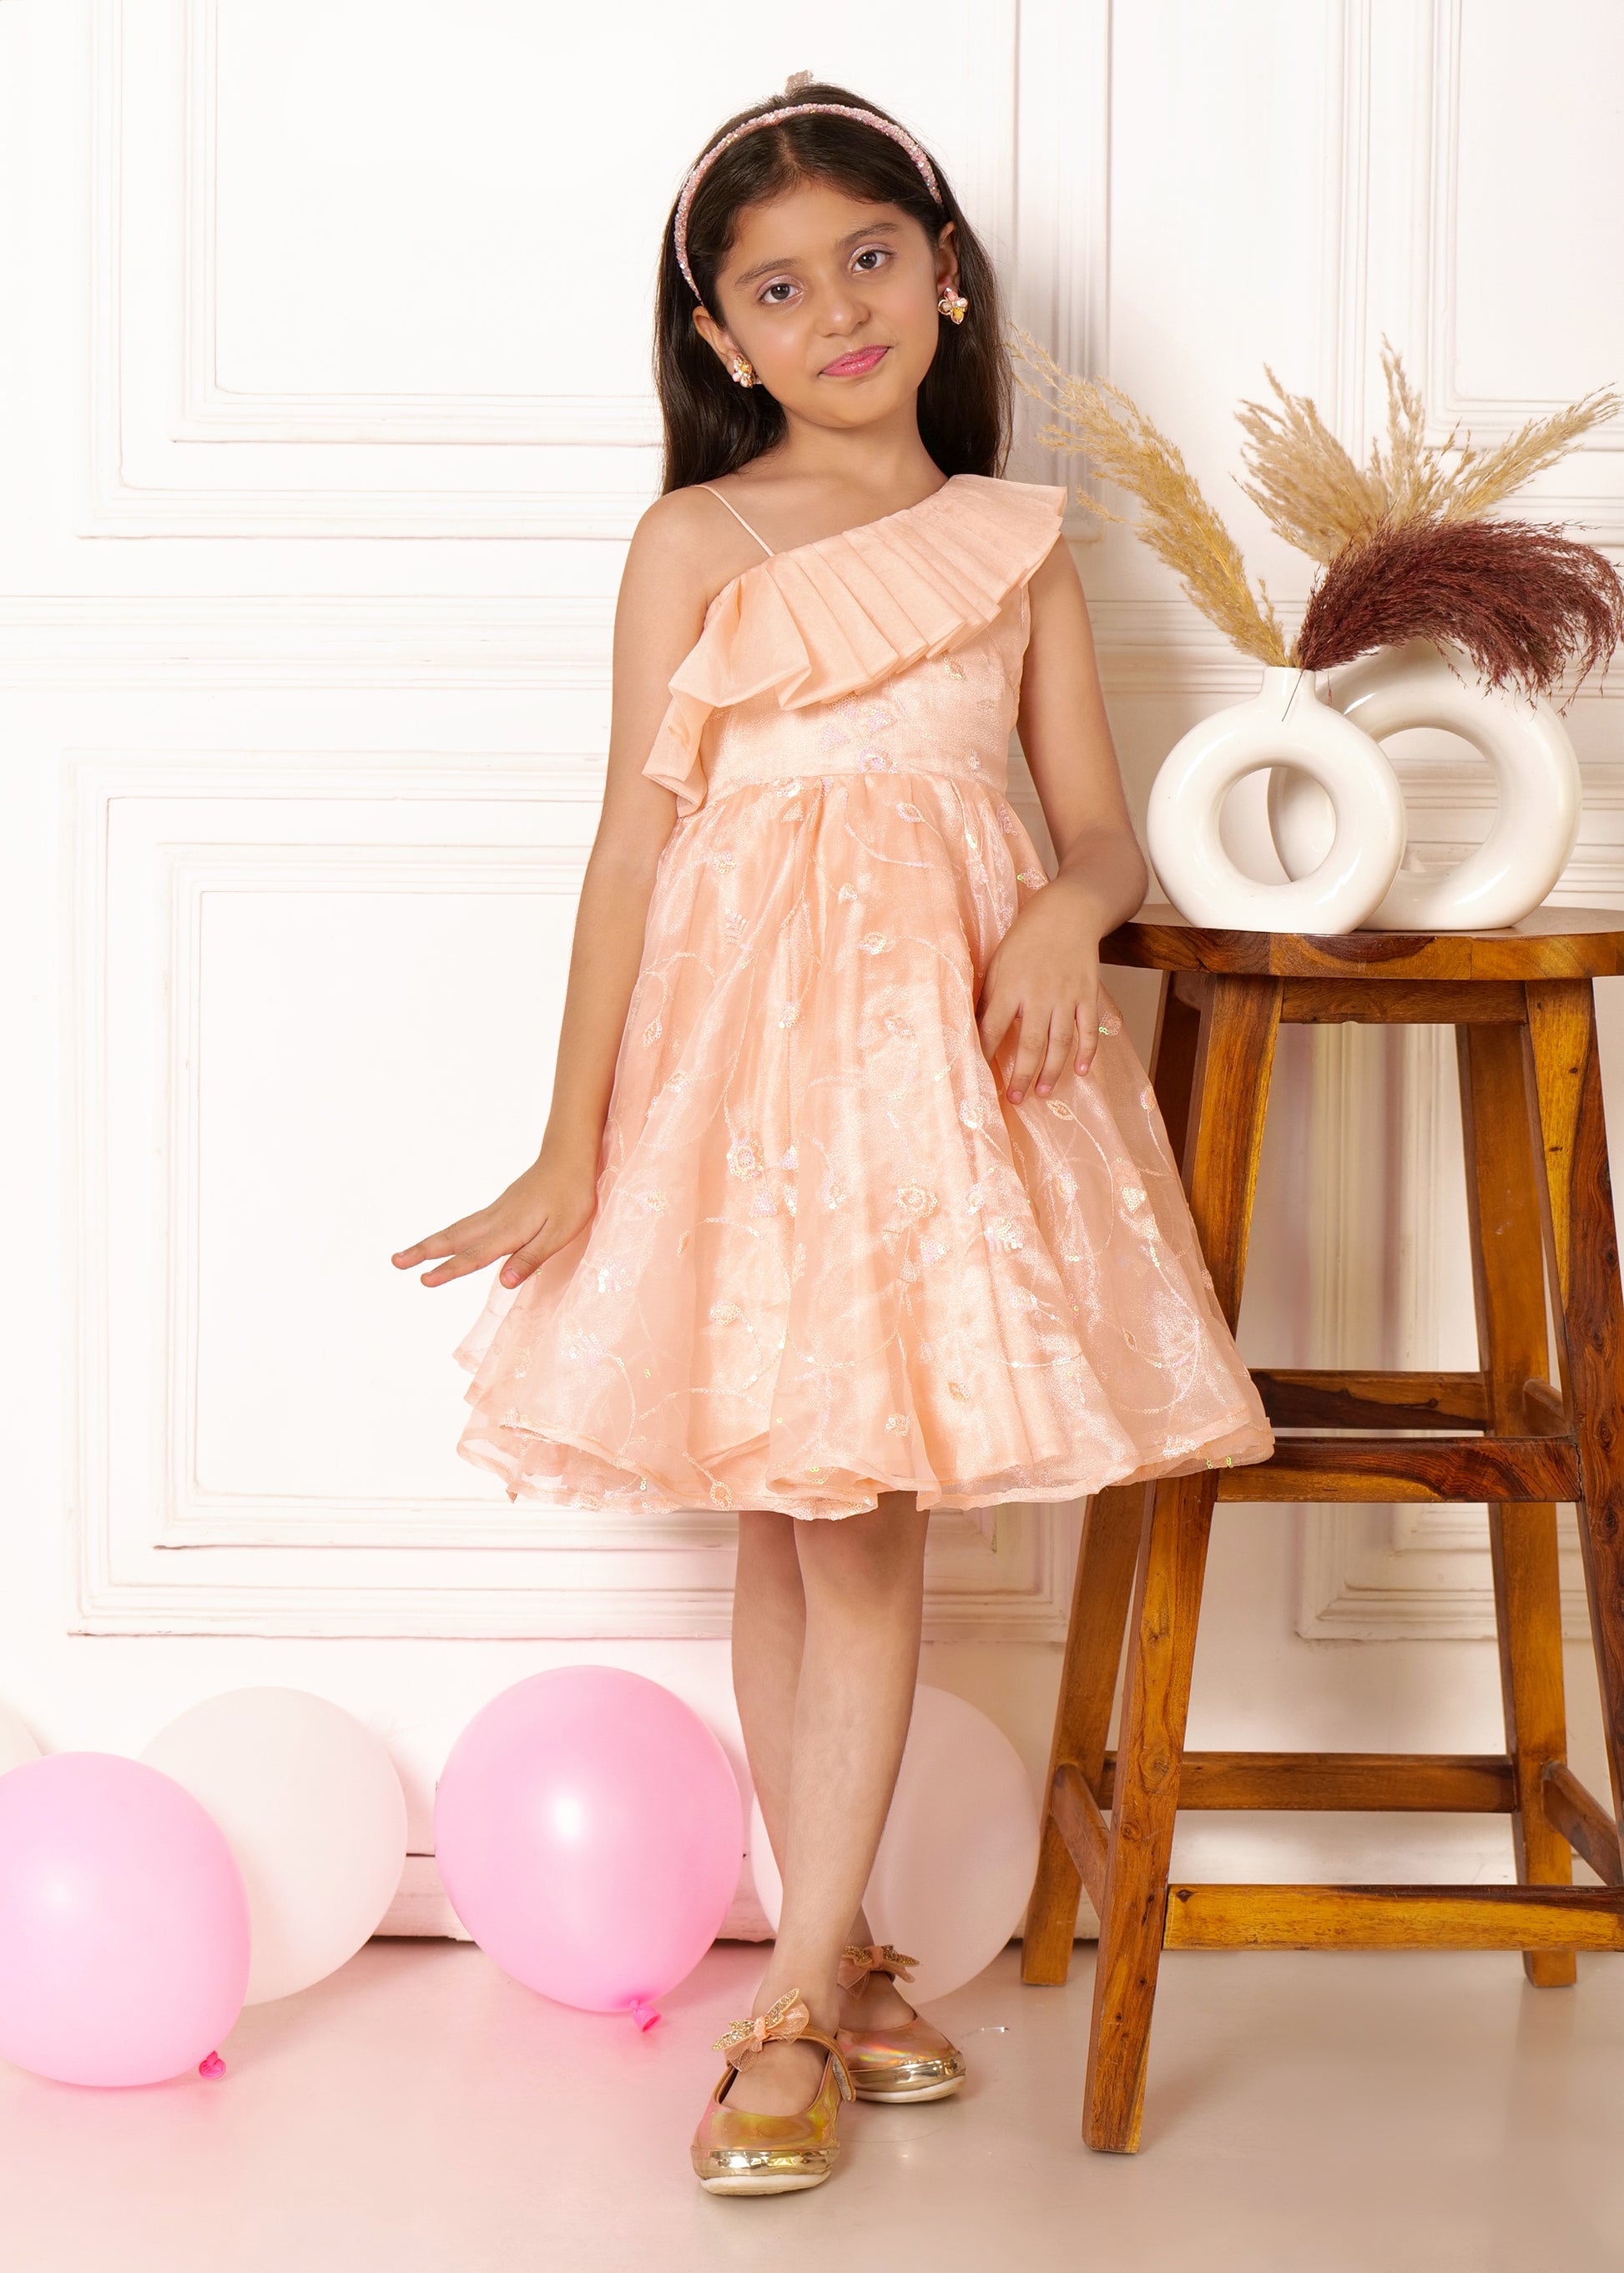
823,620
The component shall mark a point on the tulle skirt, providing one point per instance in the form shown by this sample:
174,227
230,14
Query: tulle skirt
829,1259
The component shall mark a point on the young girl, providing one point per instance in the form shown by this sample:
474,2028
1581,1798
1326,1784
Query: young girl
854,1200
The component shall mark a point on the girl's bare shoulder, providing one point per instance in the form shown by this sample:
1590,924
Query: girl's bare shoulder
687,541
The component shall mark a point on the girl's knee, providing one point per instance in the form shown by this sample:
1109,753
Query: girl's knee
882,1550
767,1543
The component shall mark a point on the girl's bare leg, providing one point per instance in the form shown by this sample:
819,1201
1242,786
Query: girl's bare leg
769,1630
826,1628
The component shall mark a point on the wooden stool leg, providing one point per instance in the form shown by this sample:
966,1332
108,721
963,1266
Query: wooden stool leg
1173,1063
1113,1524
1239,1021
1502,1198
1565,1104
1149,1751
1112,1527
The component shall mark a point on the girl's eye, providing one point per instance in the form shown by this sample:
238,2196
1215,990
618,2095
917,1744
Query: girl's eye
782,284
871,252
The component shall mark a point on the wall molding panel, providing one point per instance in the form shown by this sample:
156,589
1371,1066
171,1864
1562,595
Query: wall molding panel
1061,276
174,452
1396,266
212,413
407,643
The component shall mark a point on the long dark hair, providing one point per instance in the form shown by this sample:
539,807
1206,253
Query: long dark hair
713,426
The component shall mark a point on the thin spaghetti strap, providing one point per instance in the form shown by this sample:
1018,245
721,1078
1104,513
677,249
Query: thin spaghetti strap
739,518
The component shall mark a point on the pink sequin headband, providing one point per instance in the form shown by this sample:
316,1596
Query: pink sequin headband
898,134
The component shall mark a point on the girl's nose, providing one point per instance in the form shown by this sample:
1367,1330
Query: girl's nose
843,311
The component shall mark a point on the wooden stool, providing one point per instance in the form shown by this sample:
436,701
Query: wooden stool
1521,1004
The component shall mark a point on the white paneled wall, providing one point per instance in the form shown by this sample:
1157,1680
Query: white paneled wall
325,369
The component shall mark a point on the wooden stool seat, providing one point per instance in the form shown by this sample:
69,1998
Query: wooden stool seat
1540,1208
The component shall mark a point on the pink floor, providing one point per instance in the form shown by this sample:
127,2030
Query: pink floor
420,2113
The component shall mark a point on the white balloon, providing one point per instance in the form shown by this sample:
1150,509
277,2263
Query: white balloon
313,1810
17,1743
1286,723
955,1865
1536,773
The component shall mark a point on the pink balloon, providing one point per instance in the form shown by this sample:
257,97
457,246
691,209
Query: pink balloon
123,1922
589,1830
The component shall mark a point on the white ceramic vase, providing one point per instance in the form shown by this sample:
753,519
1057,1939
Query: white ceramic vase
1286,723
1535,772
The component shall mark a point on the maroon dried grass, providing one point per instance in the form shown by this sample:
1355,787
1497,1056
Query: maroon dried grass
1523,600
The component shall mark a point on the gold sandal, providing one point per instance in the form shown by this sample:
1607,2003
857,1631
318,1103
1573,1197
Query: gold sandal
736,2151
907,2060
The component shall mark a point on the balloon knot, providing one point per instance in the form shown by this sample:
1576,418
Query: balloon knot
212,2066
643,2014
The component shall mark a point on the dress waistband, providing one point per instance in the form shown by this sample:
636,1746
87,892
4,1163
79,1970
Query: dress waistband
726,771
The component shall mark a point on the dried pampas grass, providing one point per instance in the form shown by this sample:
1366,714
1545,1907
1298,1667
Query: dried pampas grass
1405,548
1309,489
1178,524
1520,599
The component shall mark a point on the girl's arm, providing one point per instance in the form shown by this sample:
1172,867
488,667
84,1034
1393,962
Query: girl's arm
1044,977
658,618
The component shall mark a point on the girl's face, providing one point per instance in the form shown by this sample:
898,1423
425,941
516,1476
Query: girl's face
833,301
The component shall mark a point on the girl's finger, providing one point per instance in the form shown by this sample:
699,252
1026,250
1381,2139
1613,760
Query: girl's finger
1087,1042
535,1251
1088,1031
446,1241
1028,1055
473,1257
995,1022
438,1243
1061,1034
457,1267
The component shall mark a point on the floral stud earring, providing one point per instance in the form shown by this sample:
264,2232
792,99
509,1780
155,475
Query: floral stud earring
952,304
742,370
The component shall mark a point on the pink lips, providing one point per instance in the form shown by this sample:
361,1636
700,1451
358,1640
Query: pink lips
850,366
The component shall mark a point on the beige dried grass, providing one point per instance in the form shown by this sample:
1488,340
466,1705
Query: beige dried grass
1482,478
1177,522
1312,493
1307,487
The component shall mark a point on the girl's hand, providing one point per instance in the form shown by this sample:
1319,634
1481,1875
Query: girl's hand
539,1212
1043,979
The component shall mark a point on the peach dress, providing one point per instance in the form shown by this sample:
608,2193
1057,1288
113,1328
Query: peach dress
829,1258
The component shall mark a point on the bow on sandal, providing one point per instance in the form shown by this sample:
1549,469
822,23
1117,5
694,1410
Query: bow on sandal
900,2060
735,2150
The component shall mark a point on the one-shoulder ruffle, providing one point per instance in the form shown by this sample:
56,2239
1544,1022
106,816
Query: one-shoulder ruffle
822,620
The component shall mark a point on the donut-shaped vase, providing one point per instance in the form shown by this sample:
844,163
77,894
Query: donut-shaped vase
1535,772
1286,724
